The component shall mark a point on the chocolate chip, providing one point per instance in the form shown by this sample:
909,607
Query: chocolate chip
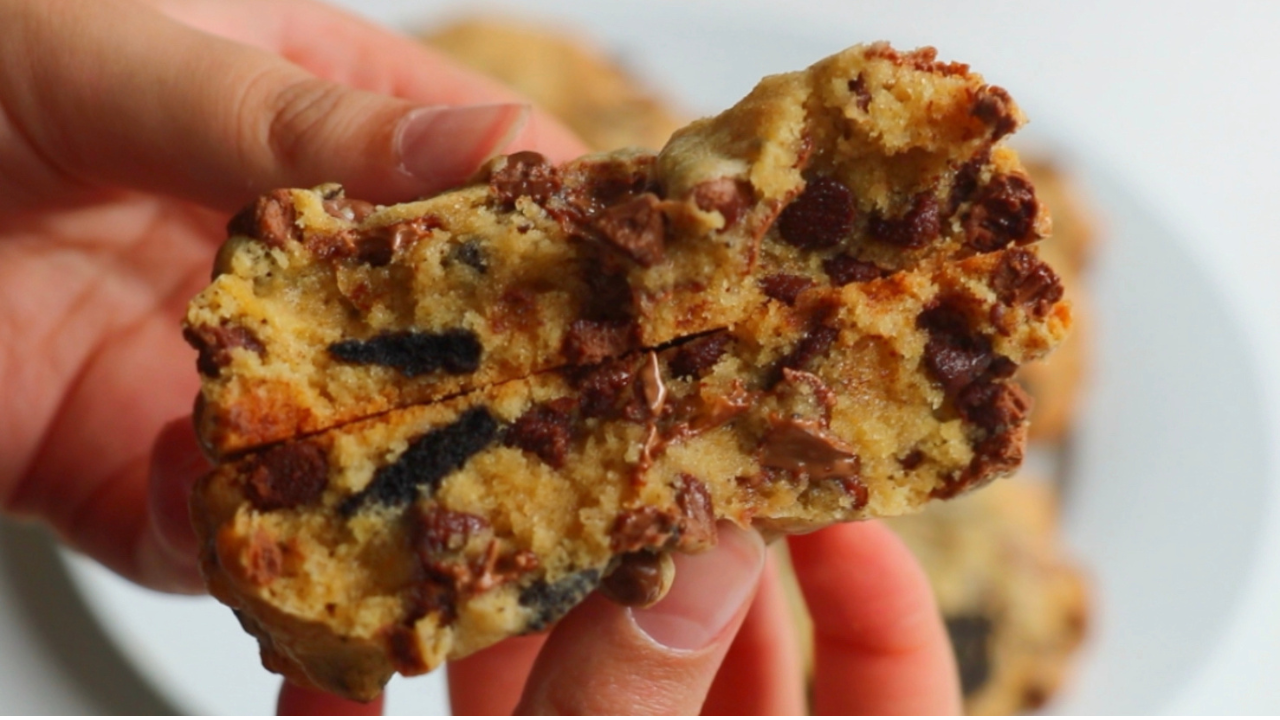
271,219
639,580
727,196
286,476
600,387
215,343
696,357
994,407
642,528
698,515
784,288
545,430
456,352
856,489
550,601
858,86
802,446
912,460
524,174
820,217
971,641
845,269
965,182
924,59
381,244
609,296
814,344
591,341
911,230
997,455
1022,278
994,107
470,254
428,460
637,227
1003,212
954,354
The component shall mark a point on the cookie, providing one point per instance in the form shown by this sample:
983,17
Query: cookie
1057,382
443,423
1015,606
583,86
325,309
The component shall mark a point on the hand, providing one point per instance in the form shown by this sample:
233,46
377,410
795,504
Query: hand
879,643
129,132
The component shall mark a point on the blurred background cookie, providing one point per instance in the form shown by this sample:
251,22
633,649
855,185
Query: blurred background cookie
593,93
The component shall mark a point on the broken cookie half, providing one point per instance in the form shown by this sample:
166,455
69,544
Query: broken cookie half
443,423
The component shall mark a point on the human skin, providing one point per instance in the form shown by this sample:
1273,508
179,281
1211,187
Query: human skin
129,132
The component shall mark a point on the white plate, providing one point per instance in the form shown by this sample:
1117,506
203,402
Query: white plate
1174,434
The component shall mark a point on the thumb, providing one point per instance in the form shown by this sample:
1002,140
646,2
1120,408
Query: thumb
603,659
184,113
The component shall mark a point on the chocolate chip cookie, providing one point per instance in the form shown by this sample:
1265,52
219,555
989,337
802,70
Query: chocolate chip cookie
442,423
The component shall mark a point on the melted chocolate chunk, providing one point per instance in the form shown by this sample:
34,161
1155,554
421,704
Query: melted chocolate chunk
215,344
994,107
550,601
913,229
636,227
643,528
545,430
845,269
456,352
784,288
912,460
971,640
698,521
271,219
858,86
437,531
427,461
1003,212
601,387
696,357
524,174
286,476
966,179
1023,278
637,581
821,217
591,341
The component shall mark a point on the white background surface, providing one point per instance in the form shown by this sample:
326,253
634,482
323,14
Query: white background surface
1174,105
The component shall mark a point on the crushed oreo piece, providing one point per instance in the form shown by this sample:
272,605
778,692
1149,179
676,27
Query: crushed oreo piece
470,254
550,601
456,352
427,461
287,475
820,217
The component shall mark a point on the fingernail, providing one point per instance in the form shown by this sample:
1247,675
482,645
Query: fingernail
709,590
443,146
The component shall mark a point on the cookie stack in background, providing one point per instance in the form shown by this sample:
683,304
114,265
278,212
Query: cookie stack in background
1015,603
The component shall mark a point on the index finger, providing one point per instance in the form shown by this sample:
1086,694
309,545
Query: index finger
879,641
